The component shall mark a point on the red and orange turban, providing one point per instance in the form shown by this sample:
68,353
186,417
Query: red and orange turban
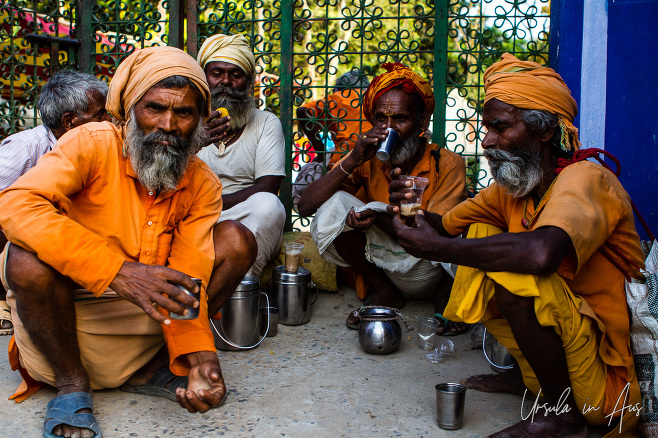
397,75
528,85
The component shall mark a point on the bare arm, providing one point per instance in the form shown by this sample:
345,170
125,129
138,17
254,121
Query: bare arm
536,252
322,189
269,184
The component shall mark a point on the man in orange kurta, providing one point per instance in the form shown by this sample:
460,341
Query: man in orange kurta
403,101
105,234
549,246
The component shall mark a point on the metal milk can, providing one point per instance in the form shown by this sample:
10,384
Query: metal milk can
238,328
290,292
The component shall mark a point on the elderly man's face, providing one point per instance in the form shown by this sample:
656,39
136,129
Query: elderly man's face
229,88
226,74
96,111
399,110
168,110
514,152
164,130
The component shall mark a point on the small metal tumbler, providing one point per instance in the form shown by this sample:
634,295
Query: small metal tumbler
450,405
386,146
192,313
272,318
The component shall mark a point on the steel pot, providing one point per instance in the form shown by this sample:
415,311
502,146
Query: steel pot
498,357
379,331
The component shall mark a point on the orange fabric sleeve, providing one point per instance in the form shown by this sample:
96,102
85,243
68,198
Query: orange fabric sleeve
193,252
487,207
32,209
591,205
450,186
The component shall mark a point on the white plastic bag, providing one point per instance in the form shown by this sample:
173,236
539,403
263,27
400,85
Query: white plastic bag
642,298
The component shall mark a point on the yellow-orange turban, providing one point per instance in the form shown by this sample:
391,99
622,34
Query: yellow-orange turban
234,49
143,69
528,85
397,75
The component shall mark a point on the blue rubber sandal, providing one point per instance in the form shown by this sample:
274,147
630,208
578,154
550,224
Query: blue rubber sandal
63,410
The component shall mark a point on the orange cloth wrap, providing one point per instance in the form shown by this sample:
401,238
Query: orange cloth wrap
397,75
145,68
528,85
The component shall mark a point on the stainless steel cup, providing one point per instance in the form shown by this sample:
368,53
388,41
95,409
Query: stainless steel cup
386,146
192,313
273,321
450,405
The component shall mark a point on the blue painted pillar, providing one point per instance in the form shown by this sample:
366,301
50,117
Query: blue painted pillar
632,99
606,53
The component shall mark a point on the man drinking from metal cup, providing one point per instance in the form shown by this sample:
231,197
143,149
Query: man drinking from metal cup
400,100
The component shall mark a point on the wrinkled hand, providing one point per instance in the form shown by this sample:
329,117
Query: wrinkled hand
366,145
421,240
217,127
397,191
150,285
205,387
361,221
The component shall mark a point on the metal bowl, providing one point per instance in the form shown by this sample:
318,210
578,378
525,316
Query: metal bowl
377,334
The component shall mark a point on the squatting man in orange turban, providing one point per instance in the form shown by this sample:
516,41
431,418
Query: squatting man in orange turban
246,149
350,233
537,267
104,232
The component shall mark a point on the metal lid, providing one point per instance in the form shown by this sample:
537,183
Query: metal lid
248,283
302,275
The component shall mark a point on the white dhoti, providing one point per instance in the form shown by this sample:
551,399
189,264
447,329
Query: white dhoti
265,217
415,278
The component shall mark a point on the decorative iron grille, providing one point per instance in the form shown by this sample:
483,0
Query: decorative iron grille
301,47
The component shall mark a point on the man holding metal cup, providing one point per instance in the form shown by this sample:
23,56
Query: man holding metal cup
106,236
399,104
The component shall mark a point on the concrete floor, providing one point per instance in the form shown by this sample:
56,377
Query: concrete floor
309,380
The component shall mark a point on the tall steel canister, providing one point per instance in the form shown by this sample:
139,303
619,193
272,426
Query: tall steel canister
291,290
239,322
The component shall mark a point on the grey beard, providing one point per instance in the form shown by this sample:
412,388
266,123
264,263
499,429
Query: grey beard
406,149
238,103
160,167
518,172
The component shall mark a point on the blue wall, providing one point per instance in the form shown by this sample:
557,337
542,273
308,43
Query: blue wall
632,100
630,95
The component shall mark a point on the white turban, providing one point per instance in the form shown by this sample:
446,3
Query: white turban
233,49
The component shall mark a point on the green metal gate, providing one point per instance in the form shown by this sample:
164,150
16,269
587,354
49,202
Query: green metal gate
301,47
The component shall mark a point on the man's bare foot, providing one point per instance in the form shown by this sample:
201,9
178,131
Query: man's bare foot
456,328
510,382
566,425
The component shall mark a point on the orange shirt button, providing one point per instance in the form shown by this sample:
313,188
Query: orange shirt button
150,223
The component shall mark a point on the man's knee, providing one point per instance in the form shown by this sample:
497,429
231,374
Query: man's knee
24,270
511,304
268,209
234,240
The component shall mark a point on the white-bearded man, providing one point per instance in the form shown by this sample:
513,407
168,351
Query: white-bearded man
247,149
103,234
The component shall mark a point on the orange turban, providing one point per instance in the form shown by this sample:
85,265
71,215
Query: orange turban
528,85
397,75
145,68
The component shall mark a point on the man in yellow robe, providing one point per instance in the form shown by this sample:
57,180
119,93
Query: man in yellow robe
549,245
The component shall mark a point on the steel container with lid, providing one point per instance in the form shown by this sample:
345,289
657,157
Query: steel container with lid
238,328
291,290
